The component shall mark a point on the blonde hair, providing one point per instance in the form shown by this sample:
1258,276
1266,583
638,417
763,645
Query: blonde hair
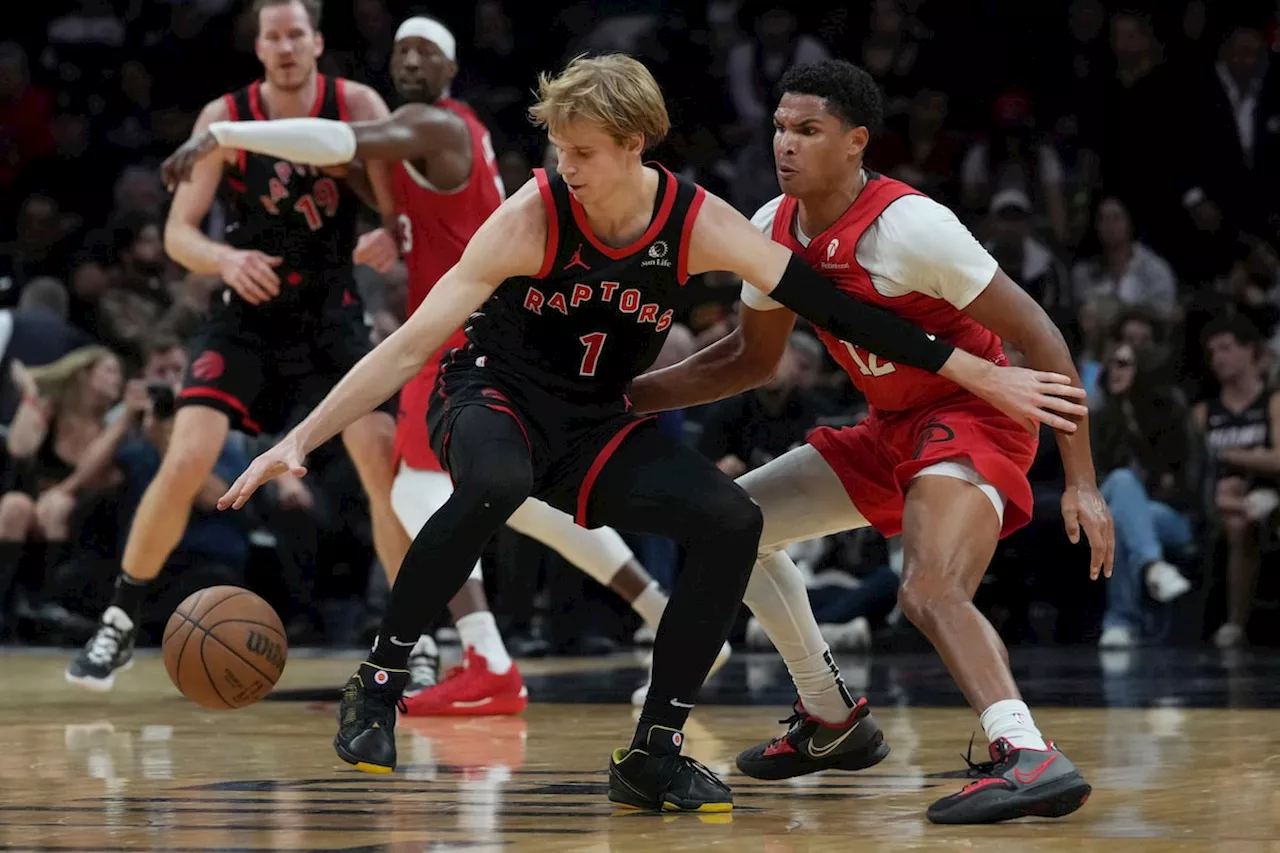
613,92
56,380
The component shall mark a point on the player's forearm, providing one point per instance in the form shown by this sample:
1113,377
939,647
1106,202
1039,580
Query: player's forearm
1044,349
191,249
724,369
875,329
320,141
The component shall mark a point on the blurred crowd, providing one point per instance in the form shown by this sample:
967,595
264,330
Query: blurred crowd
1121,162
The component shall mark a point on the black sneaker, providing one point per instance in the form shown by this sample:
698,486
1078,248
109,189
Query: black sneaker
1015,783
810,745
108,651
366,737
658,778
424,666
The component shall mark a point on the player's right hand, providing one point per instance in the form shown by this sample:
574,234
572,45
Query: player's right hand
284,458
250,273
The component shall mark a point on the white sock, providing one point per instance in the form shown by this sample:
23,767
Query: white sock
1011,719
650,603
777,597
480,632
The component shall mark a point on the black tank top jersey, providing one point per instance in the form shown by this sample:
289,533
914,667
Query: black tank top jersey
594,317
295,212
1251,427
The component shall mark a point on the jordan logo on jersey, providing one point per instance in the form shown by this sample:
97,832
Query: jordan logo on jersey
658,252
627,302
576,260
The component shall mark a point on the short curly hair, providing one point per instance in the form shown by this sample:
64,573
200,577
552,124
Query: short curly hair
850,92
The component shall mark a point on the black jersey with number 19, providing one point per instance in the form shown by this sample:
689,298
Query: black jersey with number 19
594,317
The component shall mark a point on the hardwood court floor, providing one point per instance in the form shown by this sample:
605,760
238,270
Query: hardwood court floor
143,769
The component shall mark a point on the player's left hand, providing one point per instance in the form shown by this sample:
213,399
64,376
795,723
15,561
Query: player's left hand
284,458
1033,397
1084,507
177,166
377,249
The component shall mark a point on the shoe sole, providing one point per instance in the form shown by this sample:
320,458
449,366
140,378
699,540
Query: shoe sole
505,707
1054,799
670,807
362,766
96,685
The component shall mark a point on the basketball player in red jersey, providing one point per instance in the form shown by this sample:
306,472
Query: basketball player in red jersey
446,184
932,462
568,291
285,322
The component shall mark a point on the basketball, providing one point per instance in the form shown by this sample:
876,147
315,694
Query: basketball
224,647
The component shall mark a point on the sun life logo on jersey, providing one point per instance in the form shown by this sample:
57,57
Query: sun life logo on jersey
829,264
658,252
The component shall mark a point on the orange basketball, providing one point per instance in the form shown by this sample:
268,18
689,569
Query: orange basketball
224,647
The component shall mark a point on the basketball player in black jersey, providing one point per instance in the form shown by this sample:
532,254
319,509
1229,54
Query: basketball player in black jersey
1241,426
285,325
567,293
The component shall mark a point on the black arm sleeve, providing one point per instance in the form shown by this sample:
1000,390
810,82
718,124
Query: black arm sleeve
876,330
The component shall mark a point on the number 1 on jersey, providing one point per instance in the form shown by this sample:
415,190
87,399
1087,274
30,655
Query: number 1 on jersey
594,343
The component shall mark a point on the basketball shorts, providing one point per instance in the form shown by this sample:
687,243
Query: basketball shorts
264,377
568,442
960,437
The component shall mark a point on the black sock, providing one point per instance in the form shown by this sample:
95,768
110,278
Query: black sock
130,595
492,472
10,562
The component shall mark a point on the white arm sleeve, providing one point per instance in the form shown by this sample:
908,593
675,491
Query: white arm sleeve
313,141
763,220
919,246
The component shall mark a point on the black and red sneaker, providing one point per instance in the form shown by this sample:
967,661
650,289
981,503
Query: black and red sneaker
810,745
1015,783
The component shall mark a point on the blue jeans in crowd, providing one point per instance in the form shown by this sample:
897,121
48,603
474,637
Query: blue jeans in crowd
1144,528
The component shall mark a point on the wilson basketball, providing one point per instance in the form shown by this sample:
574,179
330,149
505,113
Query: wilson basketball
224,647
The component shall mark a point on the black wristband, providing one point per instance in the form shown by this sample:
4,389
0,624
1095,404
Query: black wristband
877,330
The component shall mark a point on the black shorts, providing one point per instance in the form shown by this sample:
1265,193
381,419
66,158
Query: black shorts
569,442
259,374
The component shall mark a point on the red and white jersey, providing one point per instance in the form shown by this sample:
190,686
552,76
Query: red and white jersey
903,251
435,227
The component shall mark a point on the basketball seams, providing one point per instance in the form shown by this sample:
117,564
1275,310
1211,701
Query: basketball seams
247,662
178,612
221,601
213,684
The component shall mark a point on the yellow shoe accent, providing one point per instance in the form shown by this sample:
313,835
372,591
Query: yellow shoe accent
705,808
366,767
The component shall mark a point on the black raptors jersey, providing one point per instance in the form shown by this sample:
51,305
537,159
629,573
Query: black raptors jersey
594,317
293,211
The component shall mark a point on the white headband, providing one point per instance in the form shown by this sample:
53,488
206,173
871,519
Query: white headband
433,31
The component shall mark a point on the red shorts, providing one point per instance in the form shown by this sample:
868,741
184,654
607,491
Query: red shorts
413,446
876,459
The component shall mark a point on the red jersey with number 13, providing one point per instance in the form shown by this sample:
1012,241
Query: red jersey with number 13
834,253
435,227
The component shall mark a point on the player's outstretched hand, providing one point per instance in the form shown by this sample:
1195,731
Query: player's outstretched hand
377,249
251,274
285,457
177,166
1084,507
1033,397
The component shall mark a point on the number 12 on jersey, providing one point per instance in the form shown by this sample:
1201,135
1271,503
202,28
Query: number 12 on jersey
594,343
872,366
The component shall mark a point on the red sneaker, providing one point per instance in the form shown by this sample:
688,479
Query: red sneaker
471,690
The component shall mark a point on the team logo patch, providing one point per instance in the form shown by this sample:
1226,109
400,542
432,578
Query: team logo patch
934,432
381,677
208,366
677,739
832,247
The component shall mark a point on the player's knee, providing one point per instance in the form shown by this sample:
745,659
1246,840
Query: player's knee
730,512
490,486
17,513
922,598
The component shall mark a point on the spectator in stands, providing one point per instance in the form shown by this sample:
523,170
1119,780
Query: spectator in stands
62,412
36,333
890,55
1031,263
1014,158
43,247
1123,267
1235,173
1142,451
1241,427
920,150
25,111
1096,318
